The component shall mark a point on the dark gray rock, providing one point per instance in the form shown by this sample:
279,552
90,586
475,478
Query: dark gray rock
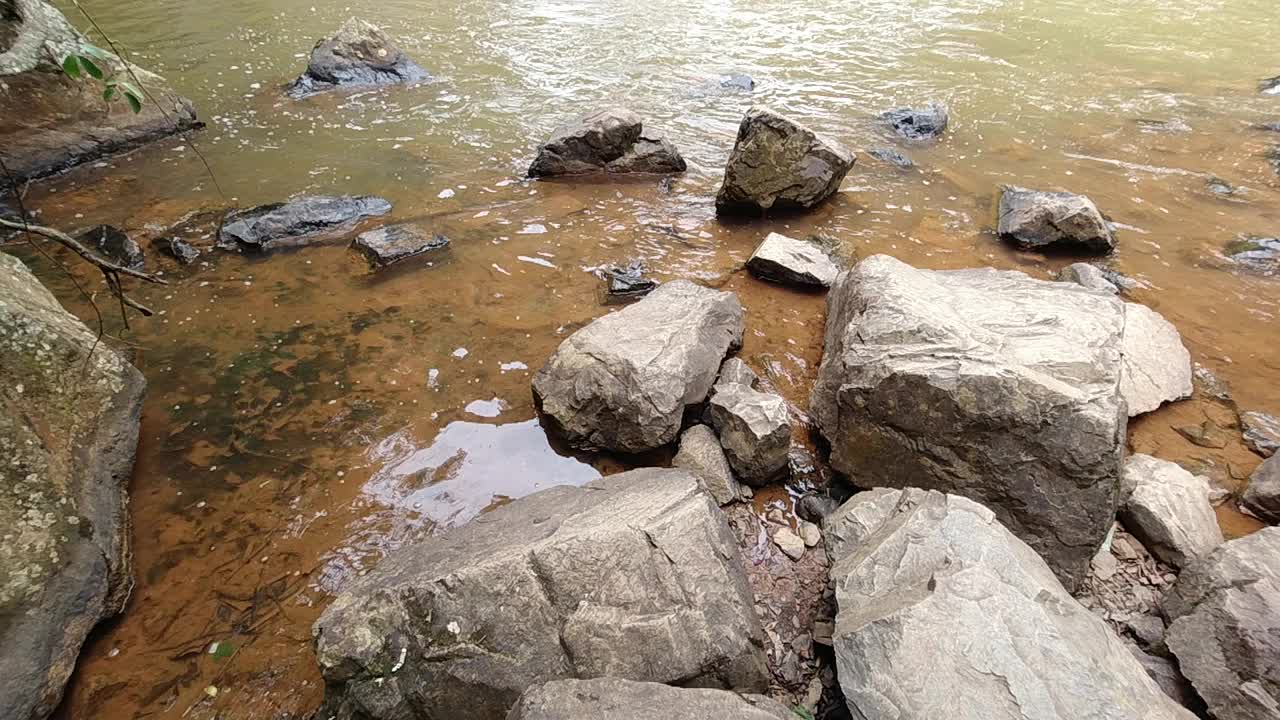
948,379
1090,276
623,382
891,156
297,222
1270,86
610,141
1261,432
813,507
1259,254
634,576
613,699
1169,510
1056,221
1262,497
115,245
1148,632
779,164
182,251
738,81
1157,366
1166,675
942,612
1221,187
359,55
69,408
755,431
627,283
1224,626
700,453
926,123
393,243
1268,126
789,261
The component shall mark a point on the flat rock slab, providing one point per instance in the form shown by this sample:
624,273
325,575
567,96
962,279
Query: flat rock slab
925,123
623,382
755,431
1057,221
1224,627
634,576
789,261
943,613
700,453
609,141
948,380
68,430
1262,497
1261,432
359,55
779,164
1157,366
297,222
613,699
1090,276
1169,510
393,243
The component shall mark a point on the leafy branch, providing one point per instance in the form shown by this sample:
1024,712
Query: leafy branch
76,65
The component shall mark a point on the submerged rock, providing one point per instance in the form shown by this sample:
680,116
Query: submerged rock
737,81
634,576
115,245
891,156
1221,187
610,141
69,408
755,431
1175,125
623,382
50,122
613,699
1169,510
948,379
700,453
299,221
1157,366
1268,126
1224,626
393,243
1262,497
182,251
359,55
1261,432
942,612
779,164
1260,254
792,262
1090,276
625,283
926,123
1270,86
1057,221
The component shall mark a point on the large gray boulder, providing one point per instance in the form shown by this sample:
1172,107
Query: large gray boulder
1157,366
623,382
69,409
1224,615
360,54
610,141
613,699
984,383
1262,497
789,261
1055,221
943,613
754,429
50,122
1169,510
635,576
779,164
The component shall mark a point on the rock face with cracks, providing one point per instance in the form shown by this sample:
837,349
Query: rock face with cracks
634,576
1157,366
623,382
69,408
943,613
610,141
949,380
613,699
1057,221
1169,510
1224,627
755,431
360,54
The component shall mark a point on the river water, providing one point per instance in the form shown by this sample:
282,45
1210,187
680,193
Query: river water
304,416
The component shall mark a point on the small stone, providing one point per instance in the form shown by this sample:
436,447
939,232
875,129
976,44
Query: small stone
393,243
1053,220
1090,276
701,454
115,245
892,157
1206,435
182,252
1104,565
746,492
625,283
1262,497
789,261
814,506
822,632
737,81
735,371
755,431
925,123
1148,630
810,533
789,543
1261,432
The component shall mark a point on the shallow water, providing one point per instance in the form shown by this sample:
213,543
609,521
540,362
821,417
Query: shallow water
305,417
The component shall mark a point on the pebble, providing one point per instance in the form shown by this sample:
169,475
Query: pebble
789,543
810,534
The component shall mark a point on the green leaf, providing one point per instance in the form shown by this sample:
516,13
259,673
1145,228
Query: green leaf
135,102
95,51
224,650
90,67
71,66
109,93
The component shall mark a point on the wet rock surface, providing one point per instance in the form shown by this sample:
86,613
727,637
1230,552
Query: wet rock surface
1157,366
181,251
297,222
393,243
932,586
755,431
634,576
1261,432
1169,511
700,453
69,409
1224,626
789,261
924,123
115,245
626,283
623,382
1262,497
627,700
610,141
892,157
64,122
1090,276
947,379
1270,86
1053,221
737,81
779,164
360,54
1259,254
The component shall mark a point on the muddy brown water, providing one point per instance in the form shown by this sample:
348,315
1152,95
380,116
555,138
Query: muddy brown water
305,417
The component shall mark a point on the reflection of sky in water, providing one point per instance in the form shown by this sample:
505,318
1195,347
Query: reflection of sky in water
469,468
